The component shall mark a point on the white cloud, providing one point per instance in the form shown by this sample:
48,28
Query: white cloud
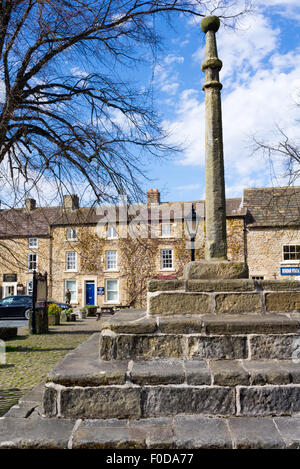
261,86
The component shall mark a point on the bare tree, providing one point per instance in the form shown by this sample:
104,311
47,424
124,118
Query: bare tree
70,114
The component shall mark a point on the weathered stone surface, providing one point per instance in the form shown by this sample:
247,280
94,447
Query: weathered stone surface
229,285
173,400
148,347
180,325
158,372
21,410
130,324
156,432
228,373
267,372
100,402
179,303
212,270
289,429
101,434
255,433
197,372
278,285
249,324
292,368
82,367
217,347
282,302
166,285
107,343
230,303
273,346
201,433
35,434
269,400
49,402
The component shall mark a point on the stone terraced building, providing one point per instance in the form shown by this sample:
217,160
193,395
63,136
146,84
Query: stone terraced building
106,256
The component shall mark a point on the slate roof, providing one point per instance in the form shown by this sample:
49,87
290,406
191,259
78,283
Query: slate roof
19,222
272,206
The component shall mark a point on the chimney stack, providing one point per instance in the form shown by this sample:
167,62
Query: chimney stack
30,204
153,196
71,202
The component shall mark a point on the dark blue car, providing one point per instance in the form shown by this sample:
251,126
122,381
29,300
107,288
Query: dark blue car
15,307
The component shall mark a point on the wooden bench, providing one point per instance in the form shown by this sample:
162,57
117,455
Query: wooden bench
104,309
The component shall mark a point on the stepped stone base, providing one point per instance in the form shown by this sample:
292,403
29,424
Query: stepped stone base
215,270
84,387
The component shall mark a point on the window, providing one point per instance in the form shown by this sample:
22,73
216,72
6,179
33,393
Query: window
71,260
166,229
166,259
32,242
32,261
291,252
111,260
71,234
111,232
72,286
29,287
257,277
112,291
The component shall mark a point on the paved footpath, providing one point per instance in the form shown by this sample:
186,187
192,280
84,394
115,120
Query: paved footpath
29,358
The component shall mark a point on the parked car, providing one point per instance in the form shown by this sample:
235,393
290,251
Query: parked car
18,307
15,307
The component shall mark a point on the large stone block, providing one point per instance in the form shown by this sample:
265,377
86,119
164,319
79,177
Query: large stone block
100,402
231,303
282,302
220,285
255,433
165,285
263,372
211,270
217,347
274,346
269,400
201,432
289,428
228,373
157,372
197,372
173,400
178,303
148,347
180,325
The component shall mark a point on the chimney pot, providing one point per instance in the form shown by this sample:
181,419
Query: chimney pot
30,204
153,196
71,202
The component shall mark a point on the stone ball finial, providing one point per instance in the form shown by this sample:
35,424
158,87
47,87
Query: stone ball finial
210,23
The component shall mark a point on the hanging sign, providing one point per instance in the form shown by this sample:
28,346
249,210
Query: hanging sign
100,290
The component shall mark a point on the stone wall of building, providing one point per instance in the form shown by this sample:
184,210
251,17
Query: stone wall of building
265,250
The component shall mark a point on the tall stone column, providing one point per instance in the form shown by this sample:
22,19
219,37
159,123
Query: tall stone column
215,212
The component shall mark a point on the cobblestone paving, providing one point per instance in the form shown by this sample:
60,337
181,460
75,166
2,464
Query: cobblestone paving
29,358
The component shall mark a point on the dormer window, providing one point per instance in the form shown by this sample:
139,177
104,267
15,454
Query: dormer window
111,232
32,243
71,234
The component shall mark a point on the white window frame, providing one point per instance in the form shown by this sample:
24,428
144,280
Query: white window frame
169,231
67,261
72,237
29,289
162,253
33,244
75,300
111,232
290,261
106,290
29,261
108,261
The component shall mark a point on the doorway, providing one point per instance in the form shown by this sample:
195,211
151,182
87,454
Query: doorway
89,292
9,289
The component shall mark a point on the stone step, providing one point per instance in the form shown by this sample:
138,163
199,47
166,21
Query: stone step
136,336
83,387
212,301
179,432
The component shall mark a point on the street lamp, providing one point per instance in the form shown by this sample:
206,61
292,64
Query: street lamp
192,221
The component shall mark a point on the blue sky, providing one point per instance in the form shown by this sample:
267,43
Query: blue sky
261,86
